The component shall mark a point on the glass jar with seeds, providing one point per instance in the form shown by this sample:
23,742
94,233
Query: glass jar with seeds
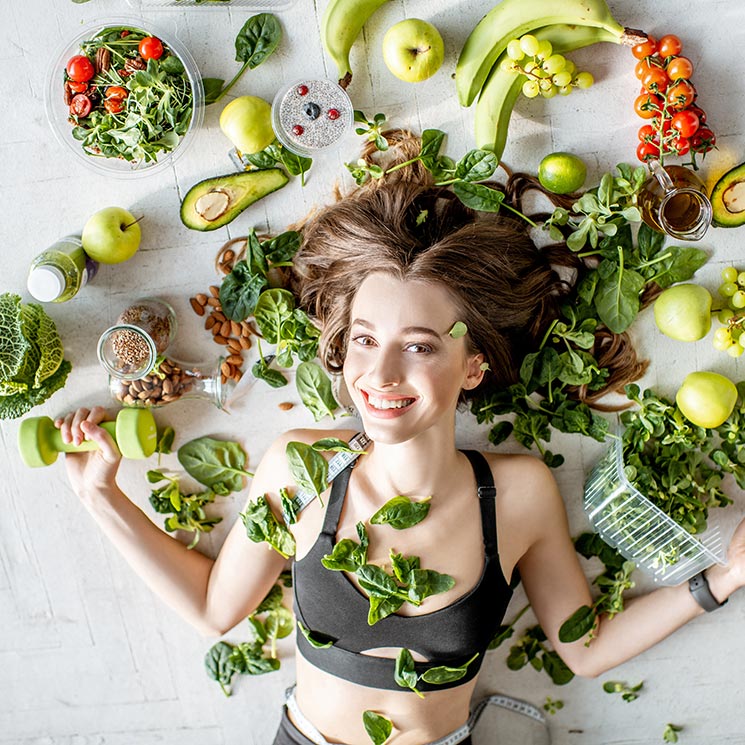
170,380
155,317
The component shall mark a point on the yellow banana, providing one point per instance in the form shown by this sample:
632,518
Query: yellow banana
502,88
510,19
341,24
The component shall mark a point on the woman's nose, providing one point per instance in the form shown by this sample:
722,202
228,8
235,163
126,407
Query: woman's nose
387,372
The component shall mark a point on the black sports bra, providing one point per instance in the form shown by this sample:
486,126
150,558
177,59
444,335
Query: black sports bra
334,610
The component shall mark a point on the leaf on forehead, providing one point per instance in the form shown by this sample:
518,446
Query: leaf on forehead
458,330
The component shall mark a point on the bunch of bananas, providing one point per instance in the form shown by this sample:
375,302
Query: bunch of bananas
341,24
567,24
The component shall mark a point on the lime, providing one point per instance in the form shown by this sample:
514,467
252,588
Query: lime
562,173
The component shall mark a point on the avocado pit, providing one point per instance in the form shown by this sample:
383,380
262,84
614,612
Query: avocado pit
213,204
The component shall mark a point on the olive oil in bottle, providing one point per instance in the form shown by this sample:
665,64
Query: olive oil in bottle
58,273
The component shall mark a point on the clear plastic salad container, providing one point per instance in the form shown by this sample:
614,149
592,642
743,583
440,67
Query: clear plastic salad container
118,99
629,522
211,4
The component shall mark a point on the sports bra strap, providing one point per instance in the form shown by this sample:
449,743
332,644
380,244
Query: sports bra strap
487,493
336,501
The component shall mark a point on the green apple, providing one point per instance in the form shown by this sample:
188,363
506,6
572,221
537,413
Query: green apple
247,123
706,399
683,312
111,235
413,50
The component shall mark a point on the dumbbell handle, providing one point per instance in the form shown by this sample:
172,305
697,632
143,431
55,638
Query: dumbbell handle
69,447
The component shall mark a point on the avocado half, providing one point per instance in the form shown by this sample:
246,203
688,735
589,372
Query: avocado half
728,199
215,202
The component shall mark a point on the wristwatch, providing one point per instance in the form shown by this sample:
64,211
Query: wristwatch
699,587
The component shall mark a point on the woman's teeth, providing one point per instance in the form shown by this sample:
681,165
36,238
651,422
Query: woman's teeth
384,403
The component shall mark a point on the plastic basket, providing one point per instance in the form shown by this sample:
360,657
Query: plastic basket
640,531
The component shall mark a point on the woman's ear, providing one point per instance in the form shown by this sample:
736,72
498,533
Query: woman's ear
474,371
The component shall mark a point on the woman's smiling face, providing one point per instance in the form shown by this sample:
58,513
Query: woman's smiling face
402,368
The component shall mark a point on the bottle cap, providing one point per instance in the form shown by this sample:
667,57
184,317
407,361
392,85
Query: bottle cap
46,283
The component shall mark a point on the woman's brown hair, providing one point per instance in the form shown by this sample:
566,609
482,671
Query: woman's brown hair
508,290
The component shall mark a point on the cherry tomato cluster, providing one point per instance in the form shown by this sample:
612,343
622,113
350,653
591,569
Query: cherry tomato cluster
83,93
676,126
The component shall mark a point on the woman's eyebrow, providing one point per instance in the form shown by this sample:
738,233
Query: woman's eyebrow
408,330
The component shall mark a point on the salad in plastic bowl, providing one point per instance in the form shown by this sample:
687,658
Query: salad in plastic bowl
125,98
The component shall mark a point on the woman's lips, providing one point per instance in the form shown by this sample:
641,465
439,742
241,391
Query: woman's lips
387,407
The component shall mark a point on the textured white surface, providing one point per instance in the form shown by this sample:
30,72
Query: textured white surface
87,654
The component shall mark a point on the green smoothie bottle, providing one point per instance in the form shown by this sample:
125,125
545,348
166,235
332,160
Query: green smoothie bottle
59,272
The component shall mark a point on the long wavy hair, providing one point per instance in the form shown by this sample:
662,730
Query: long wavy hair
508,290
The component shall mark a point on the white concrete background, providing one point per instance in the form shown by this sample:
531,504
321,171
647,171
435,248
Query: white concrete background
87,654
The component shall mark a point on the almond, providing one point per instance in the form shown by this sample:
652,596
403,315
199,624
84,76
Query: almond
234,346
237,374
225,328
235,328
213,301
196,307
201,298
219,339
235,359
226,369
245,342
228,256
219,315
214,290
286,405
210,321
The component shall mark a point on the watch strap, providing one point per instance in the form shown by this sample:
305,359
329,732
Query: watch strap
699,587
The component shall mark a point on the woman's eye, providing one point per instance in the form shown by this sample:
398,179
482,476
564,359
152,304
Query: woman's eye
364,341
419,348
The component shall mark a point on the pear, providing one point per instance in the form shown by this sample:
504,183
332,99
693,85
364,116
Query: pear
706,398
683,312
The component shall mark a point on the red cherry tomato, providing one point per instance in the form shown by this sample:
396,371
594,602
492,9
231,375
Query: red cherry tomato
646,151
114,105
680,145
647,133
665,124
686,122
679,68
655,80
647,105
669,46
643,66
645,49
116,91
80,105
80,69
703,140
150,48
680,95
77,87
699,112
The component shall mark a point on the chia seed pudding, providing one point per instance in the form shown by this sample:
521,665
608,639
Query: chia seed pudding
311,115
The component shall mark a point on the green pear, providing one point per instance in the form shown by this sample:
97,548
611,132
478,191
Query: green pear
683,312
247,122
706,398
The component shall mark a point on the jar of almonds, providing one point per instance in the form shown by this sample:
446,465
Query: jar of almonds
171,380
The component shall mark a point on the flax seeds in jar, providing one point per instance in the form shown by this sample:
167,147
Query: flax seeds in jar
155,317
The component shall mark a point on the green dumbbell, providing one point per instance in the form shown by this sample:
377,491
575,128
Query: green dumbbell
40,442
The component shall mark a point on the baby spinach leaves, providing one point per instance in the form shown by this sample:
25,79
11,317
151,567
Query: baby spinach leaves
219,464
458,330
373,129
308,467
262,526
532,649
312,639
377,726
348,555
628,693
277,154
406,676
314,387
401,512
257,39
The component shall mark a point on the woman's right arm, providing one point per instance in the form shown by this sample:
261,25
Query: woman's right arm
212,595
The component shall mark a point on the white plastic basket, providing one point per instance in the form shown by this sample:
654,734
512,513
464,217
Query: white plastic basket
640,531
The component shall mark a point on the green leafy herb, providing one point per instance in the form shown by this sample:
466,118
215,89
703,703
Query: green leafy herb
402,512
257,39
458,330
348,555
531,649
671,733
443,674
377,727
165,442
308,467
405,673
289,507
275,155
628,693
373,129
215,463
426,582
314,387
219,666
552,705
31,364
312,640
262,371
262,526
334,445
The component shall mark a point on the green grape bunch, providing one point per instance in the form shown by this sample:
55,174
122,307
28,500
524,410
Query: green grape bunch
730,336
547,73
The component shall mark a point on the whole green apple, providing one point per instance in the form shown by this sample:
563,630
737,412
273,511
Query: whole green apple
706,399
683,312
413,50
111,235
247,123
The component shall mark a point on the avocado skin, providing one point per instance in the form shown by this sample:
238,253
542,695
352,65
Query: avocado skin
247,186
722,217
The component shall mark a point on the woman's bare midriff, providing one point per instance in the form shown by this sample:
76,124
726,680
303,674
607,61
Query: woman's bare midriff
334,706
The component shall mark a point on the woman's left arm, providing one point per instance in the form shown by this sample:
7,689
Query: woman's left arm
556,587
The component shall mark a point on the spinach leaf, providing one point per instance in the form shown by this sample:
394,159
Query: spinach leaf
581,622
405,673
212,89
401,512
426,582
335,445
271,602
476,165
219,666
382,607
346,556
312,639
376,581
431,143
377,727
478,196
258,38
262,371
213,462
556,668
282,247
289,507
272,310
617,298
314,387
677,264
403,566
249,659
240,290
262,526
308,468
443,674
165,442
